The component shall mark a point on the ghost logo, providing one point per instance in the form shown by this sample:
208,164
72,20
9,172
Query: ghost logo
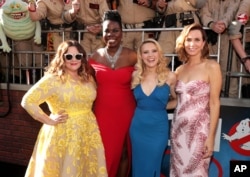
243,18
239,137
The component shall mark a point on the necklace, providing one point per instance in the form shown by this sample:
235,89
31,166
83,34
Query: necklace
112,59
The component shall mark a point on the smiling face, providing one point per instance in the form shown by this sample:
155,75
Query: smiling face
112,33
72,65
15,9
150,55
194,43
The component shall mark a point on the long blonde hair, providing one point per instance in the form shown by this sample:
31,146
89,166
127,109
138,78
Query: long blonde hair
162,69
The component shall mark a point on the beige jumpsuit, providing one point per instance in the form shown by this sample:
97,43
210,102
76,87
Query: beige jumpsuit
167,38
224,10
133,16
57,13
234,29
91,13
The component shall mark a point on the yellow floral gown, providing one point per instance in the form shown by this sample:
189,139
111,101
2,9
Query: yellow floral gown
71,149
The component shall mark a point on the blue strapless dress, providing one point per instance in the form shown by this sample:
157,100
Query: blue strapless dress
149,131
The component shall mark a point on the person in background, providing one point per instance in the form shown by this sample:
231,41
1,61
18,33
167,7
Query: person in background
235,35
198,87
153,86
217,15
90,17
115,104
60,15
135,14
178,13
69,142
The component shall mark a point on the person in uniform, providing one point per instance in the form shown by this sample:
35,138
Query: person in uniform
59,13
134,15
90,17
178,14
217,15
242,18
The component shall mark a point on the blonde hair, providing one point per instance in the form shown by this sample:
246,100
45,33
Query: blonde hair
162,69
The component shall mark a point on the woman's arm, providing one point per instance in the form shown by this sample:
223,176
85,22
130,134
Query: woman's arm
173,98
215,80
37,95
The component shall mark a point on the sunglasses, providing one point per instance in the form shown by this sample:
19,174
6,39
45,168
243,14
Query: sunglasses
69,56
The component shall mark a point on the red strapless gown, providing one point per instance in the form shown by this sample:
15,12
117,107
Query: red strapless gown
114,107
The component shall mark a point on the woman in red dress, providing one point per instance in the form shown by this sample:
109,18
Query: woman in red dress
115,104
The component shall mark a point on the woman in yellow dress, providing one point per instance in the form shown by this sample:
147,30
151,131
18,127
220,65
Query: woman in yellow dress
69,142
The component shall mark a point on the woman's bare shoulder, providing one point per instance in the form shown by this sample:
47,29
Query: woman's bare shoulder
171,78
131,54
97,55
179,69
212,64
129,51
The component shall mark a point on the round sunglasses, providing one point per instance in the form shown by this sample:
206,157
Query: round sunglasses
69,56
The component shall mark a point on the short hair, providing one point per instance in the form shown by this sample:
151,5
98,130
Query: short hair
112,15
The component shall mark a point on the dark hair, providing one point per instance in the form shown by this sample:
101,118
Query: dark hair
112,15
180,49
56,66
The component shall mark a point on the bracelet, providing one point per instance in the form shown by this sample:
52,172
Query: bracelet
243,60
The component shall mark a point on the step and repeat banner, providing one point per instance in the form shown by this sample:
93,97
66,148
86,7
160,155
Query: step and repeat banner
232,144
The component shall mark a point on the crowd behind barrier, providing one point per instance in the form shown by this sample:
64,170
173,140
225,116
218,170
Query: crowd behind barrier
13,72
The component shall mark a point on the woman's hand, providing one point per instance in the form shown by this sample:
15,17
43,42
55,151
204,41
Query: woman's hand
60,117
208,148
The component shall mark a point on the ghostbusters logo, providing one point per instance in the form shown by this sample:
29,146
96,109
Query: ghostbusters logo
239,137
243,18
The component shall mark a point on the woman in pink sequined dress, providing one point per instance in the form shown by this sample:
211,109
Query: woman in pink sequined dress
197,112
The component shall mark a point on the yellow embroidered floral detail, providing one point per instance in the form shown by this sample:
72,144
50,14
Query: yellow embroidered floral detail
71,149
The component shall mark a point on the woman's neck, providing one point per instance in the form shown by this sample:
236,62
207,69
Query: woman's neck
195,60
73,75
112,50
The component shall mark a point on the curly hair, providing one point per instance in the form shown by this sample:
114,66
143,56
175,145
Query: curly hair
180,48
162,70
57,65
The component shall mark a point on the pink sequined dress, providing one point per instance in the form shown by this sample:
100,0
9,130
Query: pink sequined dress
190,127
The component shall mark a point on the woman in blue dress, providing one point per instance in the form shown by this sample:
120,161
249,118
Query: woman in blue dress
153,86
